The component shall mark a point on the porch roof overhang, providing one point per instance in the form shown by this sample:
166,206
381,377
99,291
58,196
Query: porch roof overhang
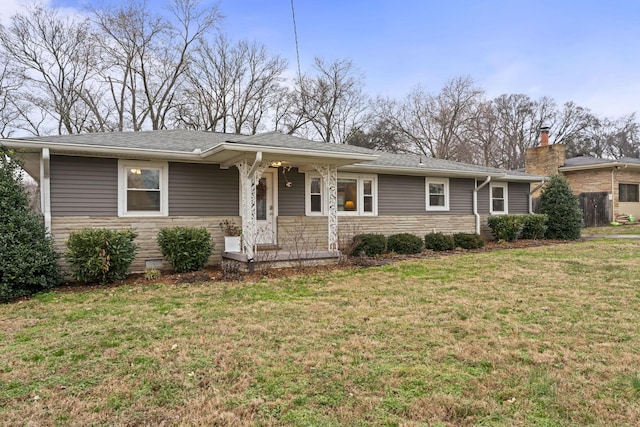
226,154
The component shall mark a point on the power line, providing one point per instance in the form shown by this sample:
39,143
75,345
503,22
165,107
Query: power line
295,35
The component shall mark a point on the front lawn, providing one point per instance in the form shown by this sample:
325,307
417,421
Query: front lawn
611,230
535,336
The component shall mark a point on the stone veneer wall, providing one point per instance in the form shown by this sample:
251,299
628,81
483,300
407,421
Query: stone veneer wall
295,232
147,229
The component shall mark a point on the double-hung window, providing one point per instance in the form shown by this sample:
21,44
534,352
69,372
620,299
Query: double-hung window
437,194
499,198
356,195
142,188
628,193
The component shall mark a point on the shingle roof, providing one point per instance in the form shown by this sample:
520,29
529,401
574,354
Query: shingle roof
593,161
178,140
186,141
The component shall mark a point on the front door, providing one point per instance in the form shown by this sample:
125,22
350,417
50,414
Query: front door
265,209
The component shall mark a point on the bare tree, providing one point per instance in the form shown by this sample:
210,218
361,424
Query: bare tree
330,104
231,87
437,125
10,82
54,55
148,56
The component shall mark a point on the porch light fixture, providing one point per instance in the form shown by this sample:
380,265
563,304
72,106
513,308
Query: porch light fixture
349,205
276,164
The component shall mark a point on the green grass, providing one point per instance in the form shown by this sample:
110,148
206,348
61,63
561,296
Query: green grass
611,230
539,336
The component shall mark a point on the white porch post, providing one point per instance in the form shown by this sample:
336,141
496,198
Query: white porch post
45,188
329,175
249,176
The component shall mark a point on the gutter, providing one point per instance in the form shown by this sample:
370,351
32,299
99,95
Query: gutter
475,202
533,191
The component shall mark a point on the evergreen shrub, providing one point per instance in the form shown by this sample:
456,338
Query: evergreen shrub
534,226
506,227
404,243
564,216
369,244
101,255
28,261
186,248
468,241
439,242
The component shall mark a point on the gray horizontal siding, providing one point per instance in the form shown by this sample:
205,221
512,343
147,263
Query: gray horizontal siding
483,198
406,195
519,197
84,186
461,196
203,190
291,199
401,195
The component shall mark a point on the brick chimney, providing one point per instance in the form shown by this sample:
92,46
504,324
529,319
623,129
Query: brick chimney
544,159
544,136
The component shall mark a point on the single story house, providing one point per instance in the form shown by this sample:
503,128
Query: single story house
607,188
297,197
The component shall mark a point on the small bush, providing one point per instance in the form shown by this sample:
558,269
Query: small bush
101,255
505,227
186,248
468,241
369,244
439,242
404,243
533,226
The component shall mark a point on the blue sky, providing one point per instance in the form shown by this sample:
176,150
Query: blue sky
583,51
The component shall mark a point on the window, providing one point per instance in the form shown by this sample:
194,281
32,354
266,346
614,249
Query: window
628,193
499,198
356,195
142,188
437,194
315,193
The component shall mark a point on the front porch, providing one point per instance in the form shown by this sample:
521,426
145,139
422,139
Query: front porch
278,258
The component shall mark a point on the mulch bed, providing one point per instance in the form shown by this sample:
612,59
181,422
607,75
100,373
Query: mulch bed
214,273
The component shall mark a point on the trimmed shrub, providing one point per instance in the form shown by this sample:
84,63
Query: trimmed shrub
505,227
369,244
404,243
468,241
439,242
533,226
101,255
186,248
28,262
562,209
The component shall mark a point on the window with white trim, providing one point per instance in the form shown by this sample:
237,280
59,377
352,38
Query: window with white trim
628,193
142,188
437,194
499,198
357,195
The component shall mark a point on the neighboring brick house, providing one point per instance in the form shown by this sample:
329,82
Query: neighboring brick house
611,187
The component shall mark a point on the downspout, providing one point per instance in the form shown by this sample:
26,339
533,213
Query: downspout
45,188
256,162
533,191
475,202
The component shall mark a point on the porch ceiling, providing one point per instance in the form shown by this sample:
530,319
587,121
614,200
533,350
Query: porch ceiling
228,154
